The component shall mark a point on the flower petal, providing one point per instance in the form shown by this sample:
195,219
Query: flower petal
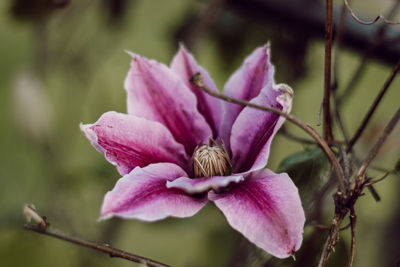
142,194
254,129
129,141
185,66
246,83
267,210
156,93
201,185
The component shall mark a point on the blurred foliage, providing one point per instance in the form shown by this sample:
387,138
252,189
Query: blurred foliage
65,65
308,169
302,160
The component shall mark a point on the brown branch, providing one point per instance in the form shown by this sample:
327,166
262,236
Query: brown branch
356,18
328,68
343,204
345,200
337,47
375,149
44,228
338,44
353,219
375,41
324,227
375,104
197,80
374,193
332,238
346,162
371,182
339,119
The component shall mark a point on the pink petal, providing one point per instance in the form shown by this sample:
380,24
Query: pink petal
267,210
129,141
254,129
246,83
185,66
201,185
156,93
142,194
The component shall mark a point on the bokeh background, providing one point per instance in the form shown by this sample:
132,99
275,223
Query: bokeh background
63,62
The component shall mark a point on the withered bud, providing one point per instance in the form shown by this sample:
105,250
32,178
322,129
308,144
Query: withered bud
31,214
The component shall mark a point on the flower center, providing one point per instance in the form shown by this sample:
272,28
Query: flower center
211,160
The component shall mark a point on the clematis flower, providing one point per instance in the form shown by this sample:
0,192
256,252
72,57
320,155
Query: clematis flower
178,148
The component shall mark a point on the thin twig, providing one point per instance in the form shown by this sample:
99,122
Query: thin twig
332,238
197,80
337,47
328,68
325,227
371,182
346,162
375,104
374,193
339,120
375,149
353,219
335,84
356,18
375,41
113,252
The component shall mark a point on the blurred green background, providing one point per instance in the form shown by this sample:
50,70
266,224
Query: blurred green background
63,65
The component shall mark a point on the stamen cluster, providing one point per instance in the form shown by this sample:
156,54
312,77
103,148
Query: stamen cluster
211,160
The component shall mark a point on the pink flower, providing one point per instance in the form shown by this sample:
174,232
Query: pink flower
169,166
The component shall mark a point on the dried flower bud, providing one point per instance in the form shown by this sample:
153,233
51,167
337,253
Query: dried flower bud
31,214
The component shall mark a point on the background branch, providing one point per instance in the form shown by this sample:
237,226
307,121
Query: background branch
344,202
44,228
328,68
375,149
353,220
372,109
308,18
379,17
377,39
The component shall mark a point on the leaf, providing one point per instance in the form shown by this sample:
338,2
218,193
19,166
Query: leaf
300,158
307,170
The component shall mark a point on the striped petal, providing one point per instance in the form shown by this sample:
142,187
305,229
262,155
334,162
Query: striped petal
156,93
142,194
185,66
267,210
129,141
246,83
254,129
